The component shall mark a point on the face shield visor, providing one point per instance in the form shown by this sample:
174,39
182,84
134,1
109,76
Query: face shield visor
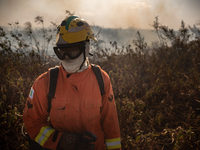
73,50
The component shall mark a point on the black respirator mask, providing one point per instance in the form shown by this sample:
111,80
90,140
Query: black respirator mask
73,50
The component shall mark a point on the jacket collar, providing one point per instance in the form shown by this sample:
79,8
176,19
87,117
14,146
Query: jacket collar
74,77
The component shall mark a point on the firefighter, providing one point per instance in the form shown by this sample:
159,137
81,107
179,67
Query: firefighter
77,109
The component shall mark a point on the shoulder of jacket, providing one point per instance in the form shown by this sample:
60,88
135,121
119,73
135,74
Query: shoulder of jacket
46,74
105,75
42,79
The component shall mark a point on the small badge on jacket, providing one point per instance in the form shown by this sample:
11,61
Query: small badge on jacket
31,93
29,105
29,101
110,98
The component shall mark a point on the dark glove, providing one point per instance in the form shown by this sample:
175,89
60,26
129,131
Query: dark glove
77,141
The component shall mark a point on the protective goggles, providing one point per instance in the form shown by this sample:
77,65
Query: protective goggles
73,50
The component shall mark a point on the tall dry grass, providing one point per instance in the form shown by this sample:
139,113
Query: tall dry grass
157,87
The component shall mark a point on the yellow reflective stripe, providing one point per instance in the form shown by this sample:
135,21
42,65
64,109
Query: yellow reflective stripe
112,140
113,143
44,134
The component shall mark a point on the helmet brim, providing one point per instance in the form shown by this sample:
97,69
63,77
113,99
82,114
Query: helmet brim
92,37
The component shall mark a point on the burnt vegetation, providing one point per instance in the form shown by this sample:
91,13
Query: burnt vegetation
156,87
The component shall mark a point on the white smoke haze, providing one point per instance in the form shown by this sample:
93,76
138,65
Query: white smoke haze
109,14
119,20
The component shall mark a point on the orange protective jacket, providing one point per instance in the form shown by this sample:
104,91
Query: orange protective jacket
77,106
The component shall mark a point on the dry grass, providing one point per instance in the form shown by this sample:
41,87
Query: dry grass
156,88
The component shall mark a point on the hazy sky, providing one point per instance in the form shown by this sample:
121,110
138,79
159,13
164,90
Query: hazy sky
105,13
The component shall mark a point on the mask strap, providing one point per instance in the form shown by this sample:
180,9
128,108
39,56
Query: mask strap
84,58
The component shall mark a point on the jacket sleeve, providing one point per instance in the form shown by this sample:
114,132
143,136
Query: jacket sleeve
35,115
109,117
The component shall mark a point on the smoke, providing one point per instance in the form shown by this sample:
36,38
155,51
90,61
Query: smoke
126,14
23,11
109,14
190,10
10,10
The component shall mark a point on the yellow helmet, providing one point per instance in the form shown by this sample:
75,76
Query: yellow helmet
73,30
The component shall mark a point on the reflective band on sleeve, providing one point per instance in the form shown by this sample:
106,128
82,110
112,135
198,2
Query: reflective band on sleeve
113,143
44,134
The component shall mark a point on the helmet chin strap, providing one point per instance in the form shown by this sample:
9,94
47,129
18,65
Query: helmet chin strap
84,58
